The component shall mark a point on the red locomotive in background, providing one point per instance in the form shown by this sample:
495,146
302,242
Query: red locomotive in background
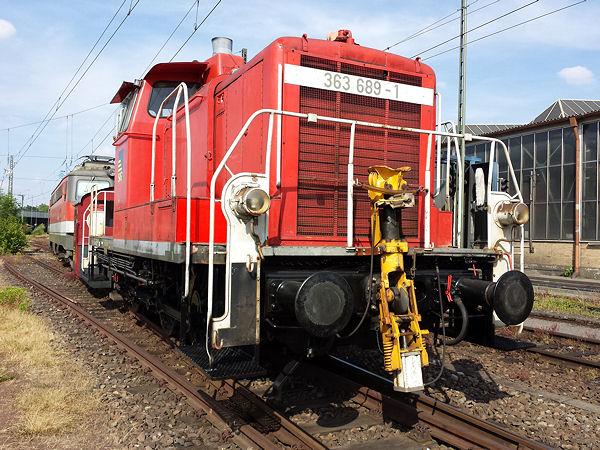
291,199
95,172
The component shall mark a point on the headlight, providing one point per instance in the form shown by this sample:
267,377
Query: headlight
509,213
250,202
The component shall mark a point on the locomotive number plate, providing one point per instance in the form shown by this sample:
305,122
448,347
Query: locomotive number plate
352,84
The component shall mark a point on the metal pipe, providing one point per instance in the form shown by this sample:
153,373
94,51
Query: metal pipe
350,191
438,168
314,118
576,243
182,87
426,219
268,163
188,202
160,109
279,108
522,254
460,175
174,144
448,149
268,159
531,207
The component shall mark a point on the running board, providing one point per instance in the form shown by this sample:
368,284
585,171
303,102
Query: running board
229,362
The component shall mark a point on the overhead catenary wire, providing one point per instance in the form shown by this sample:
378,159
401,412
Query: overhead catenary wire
196,27
195,3
37,156
56,106
29,124
432,26
91,140
57,171
508,28
102,141
132,6
477,27
91,50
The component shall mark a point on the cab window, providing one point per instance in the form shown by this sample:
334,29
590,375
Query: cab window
160,91
126,110
85,186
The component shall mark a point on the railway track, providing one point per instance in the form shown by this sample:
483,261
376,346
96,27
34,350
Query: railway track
566,284
440,421
589,340
275,427
46,265
563,358
444,422
569,358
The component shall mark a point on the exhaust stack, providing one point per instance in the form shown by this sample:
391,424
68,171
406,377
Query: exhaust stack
222,45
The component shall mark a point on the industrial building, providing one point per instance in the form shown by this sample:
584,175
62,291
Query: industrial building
556,184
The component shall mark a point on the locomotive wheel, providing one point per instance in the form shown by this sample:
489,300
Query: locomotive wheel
168,324
135,307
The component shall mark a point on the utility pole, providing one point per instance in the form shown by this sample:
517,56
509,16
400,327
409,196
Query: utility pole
22,202
11,170
461,102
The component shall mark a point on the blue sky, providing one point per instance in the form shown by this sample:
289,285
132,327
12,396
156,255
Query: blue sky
511,77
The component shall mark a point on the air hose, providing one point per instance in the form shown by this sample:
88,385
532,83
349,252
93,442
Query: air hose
443,361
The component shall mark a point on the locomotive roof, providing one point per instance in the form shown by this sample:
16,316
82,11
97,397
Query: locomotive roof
189,71
353,52
196,71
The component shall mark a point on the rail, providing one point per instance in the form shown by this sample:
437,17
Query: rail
349,228
444,422
182,87
244,435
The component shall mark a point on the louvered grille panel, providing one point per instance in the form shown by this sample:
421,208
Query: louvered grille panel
323,152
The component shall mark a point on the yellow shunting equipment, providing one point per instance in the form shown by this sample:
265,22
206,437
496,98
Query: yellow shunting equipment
403,347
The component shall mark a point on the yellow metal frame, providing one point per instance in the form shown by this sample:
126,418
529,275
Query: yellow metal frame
395,341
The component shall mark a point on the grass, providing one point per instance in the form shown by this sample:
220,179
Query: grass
14,297
577,306
55,394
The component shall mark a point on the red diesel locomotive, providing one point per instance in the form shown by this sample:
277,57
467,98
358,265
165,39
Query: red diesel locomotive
294,199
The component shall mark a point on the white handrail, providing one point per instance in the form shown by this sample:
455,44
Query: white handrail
515,183
181,87
177,91
232,147
94,194
350,191
438,166
427,215
279,118
459,213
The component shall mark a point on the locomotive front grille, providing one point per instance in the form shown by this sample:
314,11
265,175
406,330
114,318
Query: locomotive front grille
323,152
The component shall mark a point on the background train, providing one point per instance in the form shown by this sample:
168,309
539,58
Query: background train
94,172
302,198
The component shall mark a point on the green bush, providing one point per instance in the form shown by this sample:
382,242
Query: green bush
12,236
39,230
8,206
15,297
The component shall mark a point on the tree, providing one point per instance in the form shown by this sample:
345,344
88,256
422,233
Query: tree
12,236
43,207
8,206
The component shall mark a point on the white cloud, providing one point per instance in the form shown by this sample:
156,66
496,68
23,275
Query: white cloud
577,75
7,29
